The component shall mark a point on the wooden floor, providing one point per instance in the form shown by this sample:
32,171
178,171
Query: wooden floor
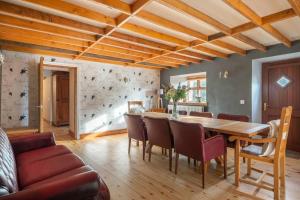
129,177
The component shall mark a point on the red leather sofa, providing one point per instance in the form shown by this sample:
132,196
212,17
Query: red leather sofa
33,167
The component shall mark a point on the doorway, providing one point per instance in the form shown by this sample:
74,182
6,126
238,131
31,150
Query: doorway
58,99
281,87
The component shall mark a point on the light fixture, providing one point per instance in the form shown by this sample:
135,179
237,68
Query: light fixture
283,81
225,74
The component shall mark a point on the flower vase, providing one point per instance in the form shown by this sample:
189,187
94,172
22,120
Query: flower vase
175,111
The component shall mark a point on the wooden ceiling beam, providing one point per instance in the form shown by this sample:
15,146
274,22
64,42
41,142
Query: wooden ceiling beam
171,60
142,41
192,12
228,46
249,41
154,34
113,54
296,6
116,4
33,34
129,46
105,47
37,16
161,62
195,55
243,9
279,16
75,10
122,19
185,9
44,28
37,41
211,51
181,57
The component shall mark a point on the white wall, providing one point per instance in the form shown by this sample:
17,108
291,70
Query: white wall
47,96
103,91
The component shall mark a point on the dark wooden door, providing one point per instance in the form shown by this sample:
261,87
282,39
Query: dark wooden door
62,99
281,87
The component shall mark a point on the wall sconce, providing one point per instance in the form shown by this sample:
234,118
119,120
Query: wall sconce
225,74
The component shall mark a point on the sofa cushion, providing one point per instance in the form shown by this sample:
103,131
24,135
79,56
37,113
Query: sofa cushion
41,154
8,175
66,174
32,172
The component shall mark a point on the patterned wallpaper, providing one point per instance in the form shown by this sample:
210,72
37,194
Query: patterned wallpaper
104,90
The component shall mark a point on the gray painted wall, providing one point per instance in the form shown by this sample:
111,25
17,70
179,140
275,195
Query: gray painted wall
224,95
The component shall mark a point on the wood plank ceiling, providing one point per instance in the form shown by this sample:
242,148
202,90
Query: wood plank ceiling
154,34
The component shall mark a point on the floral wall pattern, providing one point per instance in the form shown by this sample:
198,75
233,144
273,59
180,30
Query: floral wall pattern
104,91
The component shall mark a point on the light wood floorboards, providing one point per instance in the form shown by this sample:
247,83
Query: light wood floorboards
129,177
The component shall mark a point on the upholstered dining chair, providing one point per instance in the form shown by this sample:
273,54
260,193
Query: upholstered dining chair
201,114
276,157
189,140
136,130
182,112
159,134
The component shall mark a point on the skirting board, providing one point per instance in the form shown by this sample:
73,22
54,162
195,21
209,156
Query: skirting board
100,134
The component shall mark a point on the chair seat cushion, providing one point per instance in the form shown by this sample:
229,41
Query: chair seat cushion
41,154
66,174
252,149
32,172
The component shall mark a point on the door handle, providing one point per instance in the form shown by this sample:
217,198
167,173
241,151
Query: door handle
265,106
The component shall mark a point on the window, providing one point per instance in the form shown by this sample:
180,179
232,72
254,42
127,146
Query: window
197,92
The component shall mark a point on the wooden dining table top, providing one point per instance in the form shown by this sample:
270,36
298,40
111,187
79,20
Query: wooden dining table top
237,128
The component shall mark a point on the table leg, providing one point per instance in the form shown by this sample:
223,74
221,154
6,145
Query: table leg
237,162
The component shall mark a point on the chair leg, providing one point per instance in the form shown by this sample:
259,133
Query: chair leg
170,159
237,163
144,149
189,160
248,166
150,149
203,174
225,164
137,143
276,181
129,145
282,171
176,162
162,151
195,163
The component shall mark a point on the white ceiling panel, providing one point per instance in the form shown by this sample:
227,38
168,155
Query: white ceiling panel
218,10
217,48
267,7
290,28
237,43
172,15
154,27
261,36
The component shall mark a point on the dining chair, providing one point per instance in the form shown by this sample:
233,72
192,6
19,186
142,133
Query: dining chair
182,112
201,114
254,152
189,140
159,134
241,118
136,130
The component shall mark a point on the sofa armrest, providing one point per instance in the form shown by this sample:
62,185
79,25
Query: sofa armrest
31,141
86,185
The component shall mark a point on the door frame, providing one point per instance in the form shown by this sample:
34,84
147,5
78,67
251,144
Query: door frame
59,67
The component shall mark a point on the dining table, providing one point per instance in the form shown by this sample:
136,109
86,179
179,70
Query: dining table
228,127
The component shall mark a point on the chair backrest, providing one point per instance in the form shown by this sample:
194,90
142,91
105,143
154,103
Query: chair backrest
241,118
188,138
201,114
159,133
136,127
8,171
182,112
161,110
285,120
132,104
